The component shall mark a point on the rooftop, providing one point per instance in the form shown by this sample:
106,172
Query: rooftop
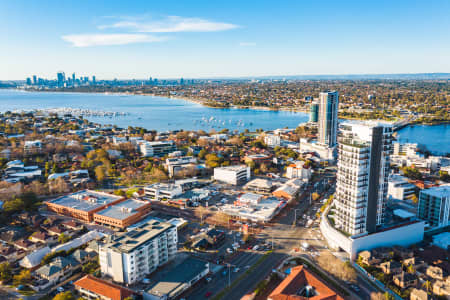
128,241
438,191
103,288
293,287
173,282
86,200
234,168
123,209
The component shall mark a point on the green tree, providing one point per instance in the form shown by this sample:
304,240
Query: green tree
5,271
64,296
63,238
22,278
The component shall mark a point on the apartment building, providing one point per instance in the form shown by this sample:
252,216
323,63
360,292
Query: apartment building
362,177
235,175
174,164
272,140
128,257
157,148
328,118
434,205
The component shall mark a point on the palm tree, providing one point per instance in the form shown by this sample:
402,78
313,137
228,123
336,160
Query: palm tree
427,285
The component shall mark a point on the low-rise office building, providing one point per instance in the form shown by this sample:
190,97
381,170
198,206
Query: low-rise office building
178,279
128,257
83,205
235,175
162,191
123,214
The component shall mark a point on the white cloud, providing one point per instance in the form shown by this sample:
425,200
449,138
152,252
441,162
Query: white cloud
172,24
88,40
247,44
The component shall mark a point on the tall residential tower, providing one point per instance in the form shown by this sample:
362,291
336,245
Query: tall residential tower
362,177
328,118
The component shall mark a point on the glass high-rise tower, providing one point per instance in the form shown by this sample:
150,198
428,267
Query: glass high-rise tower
328,118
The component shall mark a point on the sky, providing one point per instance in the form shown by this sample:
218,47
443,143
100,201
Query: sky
205,39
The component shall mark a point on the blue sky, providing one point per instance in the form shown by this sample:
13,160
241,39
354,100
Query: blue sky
191,39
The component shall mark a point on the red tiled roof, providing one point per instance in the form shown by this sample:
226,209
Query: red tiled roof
103,288
300,277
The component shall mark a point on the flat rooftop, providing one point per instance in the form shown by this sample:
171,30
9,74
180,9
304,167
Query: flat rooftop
232,168
85,200
128,241
438,191
173,281
122,210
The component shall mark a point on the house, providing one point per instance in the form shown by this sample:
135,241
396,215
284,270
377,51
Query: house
42,237
57,230
82,256
442,288
435,272
51,273
391,267
72,225
91,287
403,252
405,280
417,294
415,262
302,284
367,258
26,245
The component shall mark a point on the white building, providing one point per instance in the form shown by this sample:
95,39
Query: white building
362,177
324,152
162,191
177,163
32,146
407,149
298,170
235,175
399,188
272,140
158,148
127,258
434,205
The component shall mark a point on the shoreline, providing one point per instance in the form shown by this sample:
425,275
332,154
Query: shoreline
202,103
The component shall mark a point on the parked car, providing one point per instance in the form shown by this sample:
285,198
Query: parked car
229,250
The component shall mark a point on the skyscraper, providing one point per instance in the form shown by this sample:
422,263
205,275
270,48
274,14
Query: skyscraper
34,79
73,77
314,112
328,118
362,177
61,77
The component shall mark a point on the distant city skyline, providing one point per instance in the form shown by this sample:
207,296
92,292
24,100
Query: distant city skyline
138,39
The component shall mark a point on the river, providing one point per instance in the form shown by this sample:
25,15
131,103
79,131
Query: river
161,114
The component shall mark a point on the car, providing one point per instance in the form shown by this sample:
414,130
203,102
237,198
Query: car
60,289
236,270
208,279
20,287
229,250
256,247
355,288
249,248
208,294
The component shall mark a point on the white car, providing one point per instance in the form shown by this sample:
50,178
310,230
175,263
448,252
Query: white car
236,270
229,250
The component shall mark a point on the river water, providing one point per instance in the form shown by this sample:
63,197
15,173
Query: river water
161,114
